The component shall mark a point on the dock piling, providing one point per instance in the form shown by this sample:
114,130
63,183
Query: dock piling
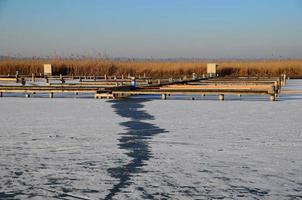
221,97
163,96
33,77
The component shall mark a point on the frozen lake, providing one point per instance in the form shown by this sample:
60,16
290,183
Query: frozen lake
151,149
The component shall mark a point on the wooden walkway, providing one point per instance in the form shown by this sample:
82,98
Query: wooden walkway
120,88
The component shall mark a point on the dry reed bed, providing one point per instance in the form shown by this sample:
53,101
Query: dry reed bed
156,68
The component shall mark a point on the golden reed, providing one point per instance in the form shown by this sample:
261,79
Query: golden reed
154,68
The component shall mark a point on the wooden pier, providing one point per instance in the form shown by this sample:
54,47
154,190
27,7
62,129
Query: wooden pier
120,87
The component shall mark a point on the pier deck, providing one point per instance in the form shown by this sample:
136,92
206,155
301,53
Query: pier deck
164,87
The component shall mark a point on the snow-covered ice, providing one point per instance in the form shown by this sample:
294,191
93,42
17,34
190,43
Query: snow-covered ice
151,149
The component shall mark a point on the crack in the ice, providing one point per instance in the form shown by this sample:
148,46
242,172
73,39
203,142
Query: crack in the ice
134,141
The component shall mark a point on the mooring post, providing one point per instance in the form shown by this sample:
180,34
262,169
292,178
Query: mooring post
272,97
23,81
17,76
62,79
284,79
51,95
163,96
194,76
33,77
221,97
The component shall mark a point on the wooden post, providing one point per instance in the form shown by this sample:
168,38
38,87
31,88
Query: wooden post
23,81
51,95
33,77
158,81
1,94
105,76
221,97
163,96
272,97
122,76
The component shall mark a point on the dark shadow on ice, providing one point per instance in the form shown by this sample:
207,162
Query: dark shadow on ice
134,141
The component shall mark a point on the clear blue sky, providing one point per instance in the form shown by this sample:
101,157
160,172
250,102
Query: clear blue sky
152,28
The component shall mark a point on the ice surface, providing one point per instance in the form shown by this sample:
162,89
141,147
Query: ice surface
151,149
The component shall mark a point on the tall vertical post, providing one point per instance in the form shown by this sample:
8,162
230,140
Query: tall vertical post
1,94
33,77
51,95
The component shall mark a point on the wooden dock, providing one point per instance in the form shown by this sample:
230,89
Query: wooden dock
120,87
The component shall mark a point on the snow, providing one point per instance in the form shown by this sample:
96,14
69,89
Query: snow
242,148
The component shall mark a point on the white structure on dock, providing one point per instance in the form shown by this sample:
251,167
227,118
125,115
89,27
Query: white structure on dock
47,70
212,69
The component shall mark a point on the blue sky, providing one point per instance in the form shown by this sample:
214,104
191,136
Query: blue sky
152,28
